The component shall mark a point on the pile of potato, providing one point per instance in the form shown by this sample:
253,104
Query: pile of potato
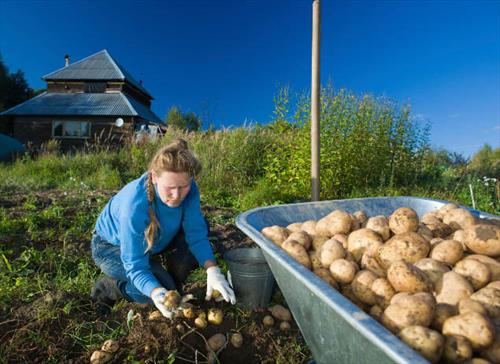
434,282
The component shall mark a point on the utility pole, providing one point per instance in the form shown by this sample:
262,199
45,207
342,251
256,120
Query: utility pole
315,101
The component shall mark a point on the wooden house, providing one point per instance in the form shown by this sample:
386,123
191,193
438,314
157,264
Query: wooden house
94,98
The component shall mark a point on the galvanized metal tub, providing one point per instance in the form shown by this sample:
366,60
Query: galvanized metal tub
335,330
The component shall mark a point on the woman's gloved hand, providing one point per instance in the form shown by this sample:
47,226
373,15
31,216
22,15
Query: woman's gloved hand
217,281
158,296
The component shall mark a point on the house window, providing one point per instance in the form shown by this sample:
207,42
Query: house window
71,129
95,87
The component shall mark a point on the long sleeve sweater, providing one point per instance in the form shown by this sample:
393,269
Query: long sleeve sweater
125,218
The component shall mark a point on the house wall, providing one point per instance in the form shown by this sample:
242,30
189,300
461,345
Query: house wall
38,130
67,87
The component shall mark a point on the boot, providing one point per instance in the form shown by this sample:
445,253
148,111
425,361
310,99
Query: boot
105,293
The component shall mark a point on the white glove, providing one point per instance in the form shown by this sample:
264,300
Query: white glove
217,281
158,297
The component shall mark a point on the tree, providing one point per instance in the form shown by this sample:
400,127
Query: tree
189,121
14,88
486,162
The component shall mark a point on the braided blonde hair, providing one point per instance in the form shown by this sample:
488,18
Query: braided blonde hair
174,157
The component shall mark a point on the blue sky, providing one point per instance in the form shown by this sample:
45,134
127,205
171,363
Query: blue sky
226,59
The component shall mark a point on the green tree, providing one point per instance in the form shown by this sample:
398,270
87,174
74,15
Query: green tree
189,121
14,88
486,162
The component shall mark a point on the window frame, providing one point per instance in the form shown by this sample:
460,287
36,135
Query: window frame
64,122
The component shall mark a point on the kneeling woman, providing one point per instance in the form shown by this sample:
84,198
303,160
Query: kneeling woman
158,210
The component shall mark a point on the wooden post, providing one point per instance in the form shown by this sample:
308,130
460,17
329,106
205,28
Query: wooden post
315,102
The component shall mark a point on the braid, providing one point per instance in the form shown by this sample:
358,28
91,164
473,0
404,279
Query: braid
154,224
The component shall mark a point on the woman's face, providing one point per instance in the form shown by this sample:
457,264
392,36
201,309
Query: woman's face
172,187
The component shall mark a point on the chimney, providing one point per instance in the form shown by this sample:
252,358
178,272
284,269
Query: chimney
66,58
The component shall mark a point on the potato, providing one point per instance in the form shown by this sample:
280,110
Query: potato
236,340
318,241
442,312
380,225
426,342
111,346
276,234
383,291
409,247
361,218
447,251
268,320
494,284
445,209
451,288
459,219
325,275
376,312
200,322
492,352
477,273
469,305
363,240
341,238
492,264
425,232
293,227
439,229
432,268
100,357
309,227
460,236
361,286
409,310
336,222
371,263
315,263
405,277
457,349
280,312
346,291
484,239
216,342
302,238
155,315
285,326
477,361
431,217
489,298
403,220
172,299
435,242
477,328
188,310
297,252
215,316
330,251
343,271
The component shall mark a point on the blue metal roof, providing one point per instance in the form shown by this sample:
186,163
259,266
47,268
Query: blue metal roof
83,104
99,66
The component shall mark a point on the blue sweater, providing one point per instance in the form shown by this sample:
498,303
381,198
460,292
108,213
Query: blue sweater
125,218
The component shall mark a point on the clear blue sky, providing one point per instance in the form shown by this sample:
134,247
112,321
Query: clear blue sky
228,58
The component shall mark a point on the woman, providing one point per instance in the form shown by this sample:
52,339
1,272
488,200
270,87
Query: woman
141,220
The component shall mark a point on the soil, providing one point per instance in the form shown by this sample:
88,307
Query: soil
44,330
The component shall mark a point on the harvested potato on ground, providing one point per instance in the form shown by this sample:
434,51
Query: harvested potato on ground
297,252
215,316
406,277
111,346
380,225
477,273
336,222
309,227
484,239
325,275
318,242
315,263
469,305
427,342
216,342
489,298
285,326
409,310
477,328
403,220
343,271
371,263
280,312
458,219
268,320
302,238
492,264
452,288
100,357
188,310
442,312
200,322
361,286
342,239
331,251
492,352
447,251
155,315
276,234
236,340
457,349
363,240
409,247
477,361
293,227
383,291
432,268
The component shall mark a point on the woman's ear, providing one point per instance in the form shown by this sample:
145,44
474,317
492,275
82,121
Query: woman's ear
154,177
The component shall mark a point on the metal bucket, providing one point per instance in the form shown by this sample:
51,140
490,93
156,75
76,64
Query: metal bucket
250,276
